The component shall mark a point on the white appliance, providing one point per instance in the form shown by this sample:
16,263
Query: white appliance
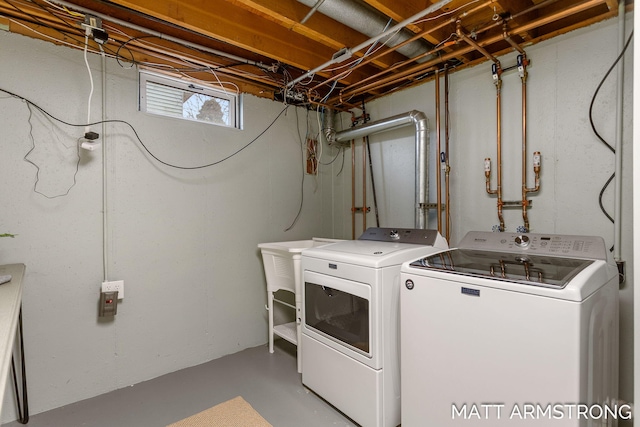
350,328
511,329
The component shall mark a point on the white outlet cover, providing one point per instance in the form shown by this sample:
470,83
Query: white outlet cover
112,286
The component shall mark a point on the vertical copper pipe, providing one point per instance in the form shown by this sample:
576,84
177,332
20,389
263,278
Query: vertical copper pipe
364,184
536,155
499,145
353,190
366,60
438,150
447,203
525,203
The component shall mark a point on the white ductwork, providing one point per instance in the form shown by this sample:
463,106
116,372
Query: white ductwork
419,120
365,20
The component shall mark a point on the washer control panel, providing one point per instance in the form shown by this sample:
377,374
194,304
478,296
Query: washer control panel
591,247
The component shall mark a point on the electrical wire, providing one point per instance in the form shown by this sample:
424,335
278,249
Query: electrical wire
448,12
86,62
295,220
33,147
114,121
61,13
595,131
35,20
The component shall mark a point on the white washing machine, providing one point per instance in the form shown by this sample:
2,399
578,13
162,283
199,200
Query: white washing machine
350,327
511,329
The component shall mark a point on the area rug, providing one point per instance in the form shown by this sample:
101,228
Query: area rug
232,413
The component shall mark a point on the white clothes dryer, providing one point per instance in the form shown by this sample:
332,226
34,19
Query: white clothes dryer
511,329
350,327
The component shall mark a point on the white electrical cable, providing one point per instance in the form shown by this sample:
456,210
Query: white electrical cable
105,205
449,12
340,58
156,33
86,61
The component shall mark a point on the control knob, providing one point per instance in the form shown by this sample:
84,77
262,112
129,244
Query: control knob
522,241
394,234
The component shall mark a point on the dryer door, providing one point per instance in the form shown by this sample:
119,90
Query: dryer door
338,313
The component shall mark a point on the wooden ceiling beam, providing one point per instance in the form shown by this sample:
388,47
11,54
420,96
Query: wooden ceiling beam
513,7
289,13
239,27
399,11
36,23
416,70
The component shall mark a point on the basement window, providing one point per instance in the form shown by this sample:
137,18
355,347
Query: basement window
177,98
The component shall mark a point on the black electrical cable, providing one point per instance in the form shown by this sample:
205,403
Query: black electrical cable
124,46
33,147
342,165
151,36
138,136
334,159
34,20
73,36
593,126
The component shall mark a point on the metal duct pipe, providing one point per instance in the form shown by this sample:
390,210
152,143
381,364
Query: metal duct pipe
329,129
367,21
419,120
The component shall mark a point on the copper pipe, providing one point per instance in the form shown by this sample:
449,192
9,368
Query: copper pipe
353,190
447,203
525,203
499,143
378,83
329,107
438,150
424,67
419,35
498,83
508,38
517,15
487,161
364,183
522,65
472,43
536,155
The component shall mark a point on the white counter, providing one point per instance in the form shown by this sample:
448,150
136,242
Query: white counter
10,303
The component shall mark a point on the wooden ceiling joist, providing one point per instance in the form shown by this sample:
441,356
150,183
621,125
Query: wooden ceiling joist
269,34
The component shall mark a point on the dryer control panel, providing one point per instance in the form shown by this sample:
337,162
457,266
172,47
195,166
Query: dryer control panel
401,235
589,247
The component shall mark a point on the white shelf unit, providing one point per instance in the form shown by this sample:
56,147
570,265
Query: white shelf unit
282,270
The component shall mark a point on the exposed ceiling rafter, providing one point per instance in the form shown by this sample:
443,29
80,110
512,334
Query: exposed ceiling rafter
261,46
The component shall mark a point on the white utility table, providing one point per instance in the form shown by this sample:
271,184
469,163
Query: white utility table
10,324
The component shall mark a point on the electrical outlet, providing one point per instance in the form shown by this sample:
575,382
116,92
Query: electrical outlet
114,286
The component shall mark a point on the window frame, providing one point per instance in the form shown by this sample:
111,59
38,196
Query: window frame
193,86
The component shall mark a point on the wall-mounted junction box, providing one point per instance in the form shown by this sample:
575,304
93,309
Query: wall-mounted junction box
114,286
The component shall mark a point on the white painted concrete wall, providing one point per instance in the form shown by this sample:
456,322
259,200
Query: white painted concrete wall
636,210
184,242
564,74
